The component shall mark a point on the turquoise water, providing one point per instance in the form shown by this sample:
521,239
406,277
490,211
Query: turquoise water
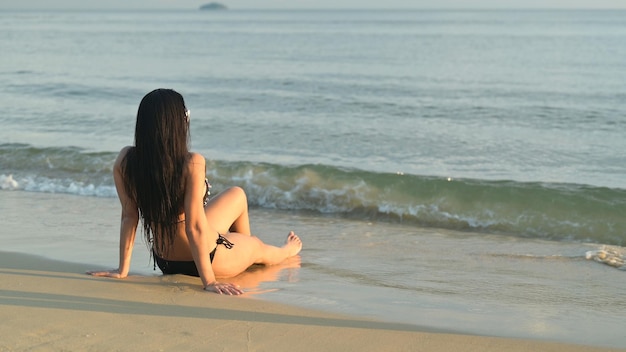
495,137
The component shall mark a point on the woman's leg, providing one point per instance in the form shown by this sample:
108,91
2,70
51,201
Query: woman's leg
248,250
228,211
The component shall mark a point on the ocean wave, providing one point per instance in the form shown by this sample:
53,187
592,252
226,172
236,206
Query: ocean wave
56,170
534,210
48,185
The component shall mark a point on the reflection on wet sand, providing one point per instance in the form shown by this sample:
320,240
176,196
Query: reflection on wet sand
251,279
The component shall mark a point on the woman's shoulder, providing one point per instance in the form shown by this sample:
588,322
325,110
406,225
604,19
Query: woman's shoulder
122,154
196,159
196,162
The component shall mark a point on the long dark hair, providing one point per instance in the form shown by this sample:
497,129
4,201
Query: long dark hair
154,168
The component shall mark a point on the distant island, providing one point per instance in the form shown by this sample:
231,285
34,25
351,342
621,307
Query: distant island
213,6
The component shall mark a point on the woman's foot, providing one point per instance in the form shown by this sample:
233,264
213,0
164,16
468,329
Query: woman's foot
293,243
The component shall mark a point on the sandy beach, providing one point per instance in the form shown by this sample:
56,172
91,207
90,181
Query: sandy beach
52,306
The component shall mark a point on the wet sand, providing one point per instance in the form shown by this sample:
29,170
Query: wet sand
51,305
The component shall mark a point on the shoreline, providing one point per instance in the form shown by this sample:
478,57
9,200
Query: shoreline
331,274
72,234
51,305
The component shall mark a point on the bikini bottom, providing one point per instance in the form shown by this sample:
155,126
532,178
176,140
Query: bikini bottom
186,267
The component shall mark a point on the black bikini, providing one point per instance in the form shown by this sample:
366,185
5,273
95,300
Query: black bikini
169,267
188,267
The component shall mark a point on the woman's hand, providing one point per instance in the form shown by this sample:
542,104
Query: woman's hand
109,273
223,288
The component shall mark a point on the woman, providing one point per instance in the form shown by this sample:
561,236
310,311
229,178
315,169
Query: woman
162,182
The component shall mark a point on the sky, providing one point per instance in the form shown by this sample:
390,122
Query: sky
309,4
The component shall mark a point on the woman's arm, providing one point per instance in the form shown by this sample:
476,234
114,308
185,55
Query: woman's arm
129,218
201,235
128,223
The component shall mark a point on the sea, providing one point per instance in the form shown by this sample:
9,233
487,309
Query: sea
457,169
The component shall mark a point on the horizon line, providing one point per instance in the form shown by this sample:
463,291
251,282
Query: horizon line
450,8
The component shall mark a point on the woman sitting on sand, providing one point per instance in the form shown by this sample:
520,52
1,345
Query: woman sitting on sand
162,182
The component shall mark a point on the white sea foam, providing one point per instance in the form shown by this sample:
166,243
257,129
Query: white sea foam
49,185
8,183
609,255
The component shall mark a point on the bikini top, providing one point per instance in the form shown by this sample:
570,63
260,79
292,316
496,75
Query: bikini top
207,192
205,199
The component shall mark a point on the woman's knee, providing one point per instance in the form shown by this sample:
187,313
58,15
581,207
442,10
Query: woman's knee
232,195
238,193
